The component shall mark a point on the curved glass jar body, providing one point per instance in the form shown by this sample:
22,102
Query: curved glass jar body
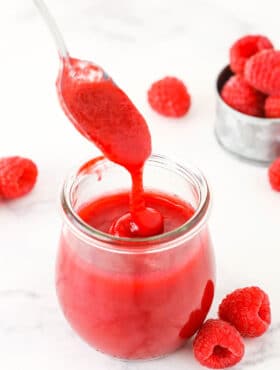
135,298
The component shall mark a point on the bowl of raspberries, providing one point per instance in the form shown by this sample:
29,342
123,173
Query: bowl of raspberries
248,100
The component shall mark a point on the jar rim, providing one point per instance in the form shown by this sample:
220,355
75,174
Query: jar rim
140,245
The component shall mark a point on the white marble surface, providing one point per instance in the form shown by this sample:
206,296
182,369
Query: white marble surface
137,42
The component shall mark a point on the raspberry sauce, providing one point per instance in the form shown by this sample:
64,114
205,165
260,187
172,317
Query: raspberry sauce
103,212
135,306
130,300
105,115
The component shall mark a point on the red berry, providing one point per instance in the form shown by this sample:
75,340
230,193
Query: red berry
246,47
248,310
262,71
274,174
272,107
218,345
238,94
169,97
17,177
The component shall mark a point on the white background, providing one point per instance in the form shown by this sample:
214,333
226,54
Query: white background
136,42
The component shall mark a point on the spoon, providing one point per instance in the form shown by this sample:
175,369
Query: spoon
97,107
105,115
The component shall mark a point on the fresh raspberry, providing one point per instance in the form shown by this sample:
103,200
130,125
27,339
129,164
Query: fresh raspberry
238,94
262,71
169,97
17,177
248,310
274,174
246,47
272,107
218,345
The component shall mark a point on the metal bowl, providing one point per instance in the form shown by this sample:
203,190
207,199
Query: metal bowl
250,138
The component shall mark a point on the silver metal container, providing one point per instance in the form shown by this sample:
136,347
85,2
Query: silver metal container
250,138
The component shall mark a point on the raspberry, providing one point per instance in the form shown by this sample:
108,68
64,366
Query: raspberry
17,177
244,48
248,310
169,97
274,174
218,345
262,71
238,94
272,107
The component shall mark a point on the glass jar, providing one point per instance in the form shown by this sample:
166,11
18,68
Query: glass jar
143,297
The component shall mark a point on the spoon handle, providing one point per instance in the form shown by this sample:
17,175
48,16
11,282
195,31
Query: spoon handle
53,28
